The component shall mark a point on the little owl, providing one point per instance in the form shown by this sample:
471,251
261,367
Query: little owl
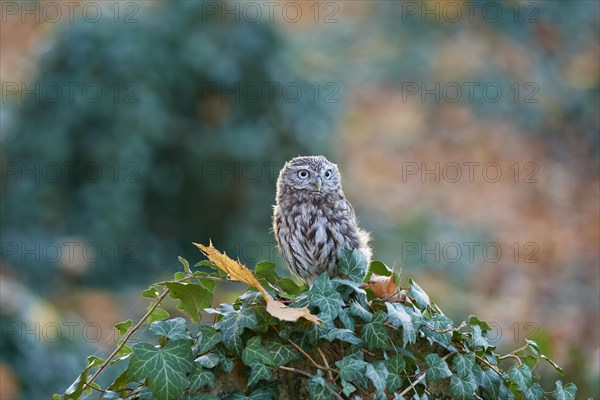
312,220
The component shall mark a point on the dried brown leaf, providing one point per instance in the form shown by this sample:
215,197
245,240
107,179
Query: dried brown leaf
385,287
240,273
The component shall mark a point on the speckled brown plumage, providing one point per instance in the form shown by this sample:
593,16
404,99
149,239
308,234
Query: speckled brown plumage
312,219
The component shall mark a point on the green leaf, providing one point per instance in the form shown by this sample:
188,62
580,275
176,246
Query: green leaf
186,265
555,365
347,388
318,388
266,392
344,335
398,316
232,326
208,360
174,329
353,264
151,293
351,368
282,354
533,346
375,334
258,372
463,363
477,338
421,298
438,369
164,368
565,393
256,353
473,320
76,389
357,310
157,315
488,379
123,327
521,376
377,374
346,320
208,337
534,392
324,296
463,388
201,378
265,272
193,298
290,287
377,267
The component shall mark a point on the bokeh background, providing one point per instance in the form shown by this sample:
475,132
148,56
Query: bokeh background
467,134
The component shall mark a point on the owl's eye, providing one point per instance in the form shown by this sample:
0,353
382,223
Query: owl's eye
328,174
303,174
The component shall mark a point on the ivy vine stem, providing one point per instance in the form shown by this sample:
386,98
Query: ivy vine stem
105,364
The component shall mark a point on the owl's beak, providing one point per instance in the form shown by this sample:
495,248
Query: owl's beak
318,183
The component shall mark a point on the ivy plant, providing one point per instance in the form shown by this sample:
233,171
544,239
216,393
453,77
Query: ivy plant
357,336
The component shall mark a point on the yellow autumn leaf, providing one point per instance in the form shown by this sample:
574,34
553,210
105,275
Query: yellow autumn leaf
240,273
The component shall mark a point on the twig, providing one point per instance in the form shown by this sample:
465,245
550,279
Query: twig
310,358
511,356
326,364
128,336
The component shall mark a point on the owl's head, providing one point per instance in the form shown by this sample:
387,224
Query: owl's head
313,174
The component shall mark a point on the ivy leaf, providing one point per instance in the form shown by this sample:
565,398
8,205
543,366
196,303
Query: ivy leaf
265,272
151,293
473,320
174,329
346,320
157,315
208,337
201,378
377,268
534,392
375,334
232,326
477,338
421,298
258,372
164,368
464,387
555,365
352,264
347,388
351,368
266,392
186,265
325,297
378,374
282,354
290,287
489,380
357,310
318,388
208,360
566,392
76,389
398,316
438,369
521,376
463,363
256,353
193,297
123,327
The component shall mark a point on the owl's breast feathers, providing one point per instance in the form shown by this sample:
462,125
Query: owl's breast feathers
313,231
